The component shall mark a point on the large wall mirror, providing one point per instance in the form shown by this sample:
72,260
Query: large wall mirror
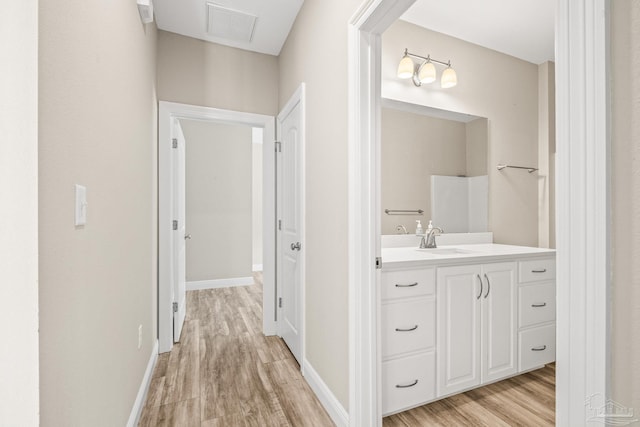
434,161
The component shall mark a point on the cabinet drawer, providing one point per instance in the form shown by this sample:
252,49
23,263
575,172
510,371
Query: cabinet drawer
537,270
408,382
408,283
408,326
537,304
537,347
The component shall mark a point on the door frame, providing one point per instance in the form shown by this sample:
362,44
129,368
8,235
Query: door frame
167,112
297,97
582,132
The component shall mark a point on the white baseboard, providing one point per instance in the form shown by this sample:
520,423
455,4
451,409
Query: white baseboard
256,267
199,285
331,404
134,417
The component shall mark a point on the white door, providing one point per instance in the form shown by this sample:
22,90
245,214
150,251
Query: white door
499,333
459,328
290,245
179,235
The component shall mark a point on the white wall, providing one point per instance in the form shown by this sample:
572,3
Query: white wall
18,213
218,200
98,283
256,197
493,85
625,310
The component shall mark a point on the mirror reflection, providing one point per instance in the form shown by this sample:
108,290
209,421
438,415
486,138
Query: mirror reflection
435,161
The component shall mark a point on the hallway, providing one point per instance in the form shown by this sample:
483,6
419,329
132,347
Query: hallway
224,372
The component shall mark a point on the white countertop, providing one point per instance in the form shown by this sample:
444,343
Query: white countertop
484,252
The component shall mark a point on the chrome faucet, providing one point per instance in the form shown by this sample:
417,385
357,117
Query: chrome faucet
401,229
429,239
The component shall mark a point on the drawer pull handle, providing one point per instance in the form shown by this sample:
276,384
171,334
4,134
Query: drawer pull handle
398,285
480,280
407,385
544,270
541,348
407,330
542,304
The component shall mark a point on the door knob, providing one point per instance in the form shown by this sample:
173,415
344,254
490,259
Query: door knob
295,246
188,236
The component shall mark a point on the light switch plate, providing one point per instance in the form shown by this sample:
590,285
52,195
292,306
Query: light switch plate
81,205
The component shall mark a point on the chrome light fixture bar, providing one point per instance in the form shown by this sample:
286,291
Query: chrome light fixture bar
425,70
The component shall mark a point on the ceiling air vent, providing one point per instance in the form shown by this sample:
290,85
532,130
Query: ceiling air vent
230,24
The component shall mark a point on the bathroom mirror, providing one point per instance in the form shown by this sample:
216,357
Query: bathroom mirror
435,161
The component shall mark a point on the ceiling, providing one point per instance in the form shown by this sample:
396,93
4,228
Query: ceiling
522,28
272,25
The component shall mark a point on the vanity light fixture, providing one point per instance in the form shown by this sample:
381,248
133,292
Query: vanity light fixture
425,70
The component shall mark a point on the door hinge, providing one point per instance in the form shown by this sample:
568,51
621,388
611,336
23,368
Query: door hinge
174,143
280,302
175,307
278,146
175,224
378,263
279,224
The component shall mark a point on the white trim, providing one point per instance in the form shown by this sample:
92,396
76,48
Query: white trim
134,416
298,97
582,134
365,28
256,267
199,285
328,400
168,111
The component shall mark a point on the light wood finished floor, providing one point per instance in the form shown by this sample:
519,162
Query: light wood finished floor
525,400
225,373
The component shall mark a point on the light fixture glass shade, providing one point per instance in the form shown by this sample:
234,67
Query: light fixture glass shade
427,73
405,68
449,78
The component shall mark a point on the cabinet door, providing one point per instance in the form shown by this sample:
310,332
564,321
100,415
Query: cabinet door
499,320
458,303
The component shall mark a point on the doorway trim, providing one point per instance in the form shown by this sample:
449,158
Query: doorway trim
582,133
167,112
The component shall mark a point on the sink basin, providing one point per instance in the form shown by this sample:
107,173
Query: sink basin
446,251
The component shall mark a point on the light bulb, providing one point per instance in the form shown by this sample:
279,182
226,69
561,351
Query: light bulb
427,73
405,68
449,78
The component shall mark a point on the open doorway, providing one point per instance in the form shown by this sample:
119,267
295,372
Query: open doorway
212,255
582,124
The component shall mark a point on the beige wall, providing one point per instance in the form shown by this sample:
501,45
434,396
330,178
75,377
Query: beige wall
625,68
18,215
493,85
218,200
546,155
414,147
97,107
196,72
316,53
477,146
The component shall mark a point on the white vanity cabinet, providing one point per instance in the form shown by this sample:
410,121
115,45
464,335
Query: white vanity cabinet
537,313
477,325
408,338
459,322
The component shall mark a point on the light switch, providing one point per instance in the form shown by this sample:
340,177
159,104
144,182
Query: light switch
81,205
